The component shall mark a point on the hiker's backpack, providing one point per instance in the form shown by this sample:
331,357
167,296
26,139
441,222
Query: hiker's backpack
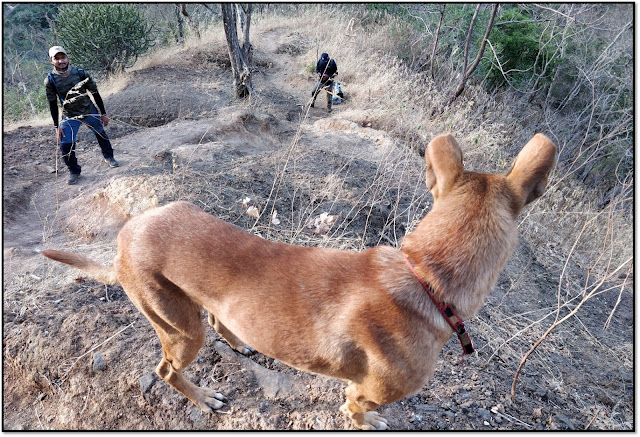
81,72
338,95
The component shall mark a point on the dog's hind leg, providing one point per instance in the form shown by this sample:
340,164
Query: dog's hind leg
361,410
178,351
229,336
178,323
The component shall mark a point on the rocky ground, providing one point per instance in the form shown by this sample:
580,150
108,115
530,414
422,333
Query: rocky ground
78,355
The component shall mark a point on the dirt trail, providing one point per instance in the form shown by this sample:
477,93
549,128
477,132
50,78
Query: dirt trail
78,355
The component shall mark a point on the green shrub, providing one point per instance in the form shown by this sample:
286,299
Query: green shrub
517,44
20,103
310,67
24,96
103,37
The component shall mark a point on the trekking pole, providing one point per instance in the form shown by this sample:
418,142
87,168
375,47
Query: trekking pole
56,157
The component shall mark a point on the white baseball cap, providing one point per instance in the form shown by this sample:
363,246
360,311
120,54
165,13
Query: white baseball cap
55,50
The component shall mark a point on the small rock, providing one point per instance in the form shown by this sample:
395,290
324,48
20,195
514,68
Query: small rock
497,409
10,251
146,382
483,413
98,362
466,407
427,408
542,393
508,402
537,412
447,406
564,419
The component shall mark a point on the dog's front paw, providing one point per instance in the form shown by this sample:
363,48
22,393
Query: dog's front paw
369,421
209,400
374,421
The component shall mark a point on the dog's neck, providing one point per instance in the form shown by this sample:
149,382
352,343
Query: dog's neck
461,271
449,314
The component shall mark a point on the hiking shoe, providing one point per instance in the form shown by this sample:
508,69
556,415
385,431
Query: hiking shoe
329,110
313,104
73,178
112,162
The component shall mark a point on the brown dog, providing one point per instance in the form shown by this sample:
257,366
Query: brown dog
362,317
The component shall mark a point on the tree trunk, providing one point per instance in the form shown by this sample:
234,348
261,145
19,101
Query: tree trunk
435,43
247,49
467,72
180,35
237,54
192,25
240,15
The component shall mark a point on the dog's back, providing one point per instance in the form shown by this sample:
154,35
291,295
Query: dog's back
278,298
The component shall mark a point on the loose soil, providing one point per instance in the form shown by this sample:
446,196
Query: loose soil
77,354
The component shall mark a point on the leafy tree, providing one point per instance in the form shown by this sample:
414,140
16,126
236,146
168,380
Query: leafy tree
103,36
26,23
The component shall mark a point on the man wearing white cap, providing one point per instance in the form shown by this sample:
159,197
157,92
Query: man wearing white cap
72,85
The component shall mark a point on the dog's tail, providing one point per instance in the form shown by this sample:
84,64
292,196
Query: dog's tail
104,274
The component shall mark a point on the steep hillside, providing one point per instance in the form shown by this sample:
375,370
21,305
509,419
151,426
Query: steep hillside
78,355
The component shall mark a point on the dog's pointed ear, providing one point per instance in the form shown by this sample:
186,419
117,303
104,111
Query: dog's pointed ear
530,171
444,164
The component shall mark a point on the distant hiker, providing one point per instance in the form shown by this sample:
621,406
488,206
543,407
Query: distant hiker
326,69
72,85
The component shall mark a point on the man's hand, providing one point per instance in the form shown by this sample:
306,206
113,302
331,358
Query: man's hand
105,120
59,134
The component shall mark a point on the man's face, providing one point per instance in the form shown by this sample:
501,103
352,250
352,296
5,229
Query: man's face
60,61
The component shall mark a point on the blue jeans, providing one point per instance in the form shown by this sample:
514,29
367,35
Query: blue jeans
70,127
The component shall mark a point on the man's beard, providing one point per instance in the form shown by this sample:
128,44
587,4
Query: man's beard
61,71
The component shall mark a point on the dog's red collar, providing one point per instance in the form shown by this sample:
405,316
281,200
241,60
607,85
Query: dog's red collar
449,314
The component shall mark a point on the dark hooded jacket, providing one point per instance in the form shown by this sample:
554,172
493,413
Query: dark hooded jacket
326,66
